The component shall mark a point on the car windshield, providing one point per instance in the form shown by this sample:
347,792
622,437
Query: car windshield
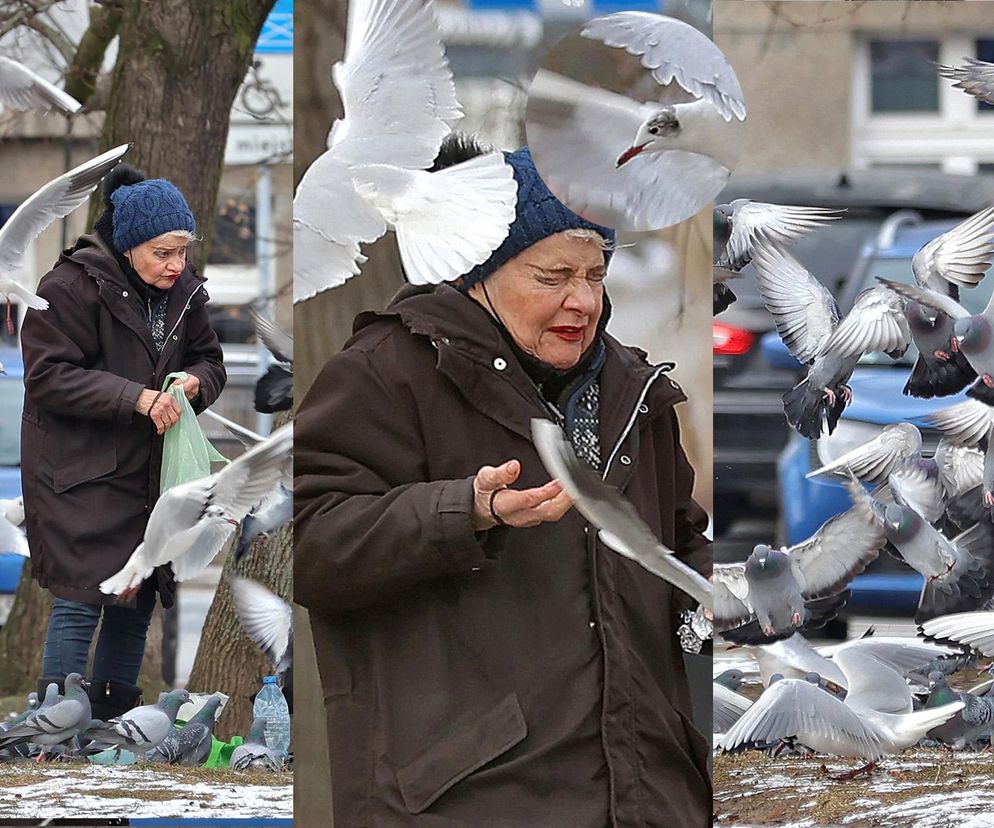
11,403
899,270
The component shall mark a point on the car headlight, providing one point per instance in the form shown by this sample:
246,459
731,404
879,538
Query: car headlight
848,434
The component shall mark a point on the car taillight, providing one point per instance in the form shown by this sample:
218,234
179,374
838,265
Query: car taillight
729,341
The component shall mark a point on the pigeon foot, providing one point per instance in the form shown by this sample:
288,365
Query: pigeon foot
988,380
942,356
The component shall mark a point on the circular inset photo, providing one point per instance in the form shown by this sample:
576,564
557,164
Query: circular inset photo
633,121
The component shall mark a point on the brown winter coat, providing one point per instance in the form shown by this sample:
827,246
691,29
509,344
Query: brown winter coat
523,677
89,463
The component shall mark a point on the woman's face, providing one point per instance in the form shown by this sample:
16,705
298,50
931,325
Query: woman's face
161,260
550,297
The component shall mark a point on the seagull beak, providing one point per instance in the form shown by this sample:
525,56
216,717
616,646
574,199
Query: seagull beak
629,154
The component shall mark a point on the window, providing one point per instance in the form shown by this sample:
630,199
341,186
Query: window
234,232
903,77
985,52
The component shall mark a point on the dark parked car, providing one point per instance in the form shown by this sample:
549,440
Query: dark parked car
750,430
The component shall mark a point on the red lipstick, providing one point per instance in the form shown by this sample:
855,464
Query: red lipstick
571,333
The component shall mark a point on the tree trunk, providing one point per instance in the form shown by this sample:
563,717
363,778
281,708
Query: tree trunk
179,65
22,639
227,660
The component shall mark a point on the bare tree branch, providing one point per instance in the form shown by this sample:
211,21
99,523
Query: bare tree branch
84,66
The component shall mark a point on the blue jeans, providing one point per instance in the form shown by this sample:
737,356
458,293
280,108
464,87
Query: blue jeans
120,646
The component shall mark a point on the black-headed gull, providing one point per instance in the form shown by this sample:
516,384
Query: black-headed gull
24,90
399,102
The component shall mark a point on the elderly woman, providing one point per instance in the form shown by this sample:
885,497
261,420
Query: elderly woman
485,659
125,309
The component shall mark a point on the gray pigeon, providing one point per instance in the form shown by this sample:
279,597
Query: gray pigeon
56,723
267,619
970,725
775,586
808,321
141,729
975,77
274,390
939,371
727,705
265,519
253,753
191,745
958,572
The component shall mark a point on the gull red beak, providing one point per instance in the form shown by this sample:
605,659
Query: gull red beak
628,155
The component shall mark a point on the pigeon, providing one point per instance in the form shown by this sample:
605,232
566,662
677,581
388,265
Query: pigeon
12,537
54,722
727,705
968,424
808,321
673,51
895,455
621,528
794,657
267,619
32,706
625,164
22,89
959,572
141,729
253,753
975,77
875,720
971,629
57,199
274,390
774,586
399,101
263,521
191,745
742,222
972,724
191,522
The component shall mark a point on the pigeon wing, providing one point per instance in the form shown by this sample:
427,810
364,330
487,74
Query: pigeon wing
266,618
776,223
960,256
966,423
279,342
973,629
975,77
876,324
874,460
731,597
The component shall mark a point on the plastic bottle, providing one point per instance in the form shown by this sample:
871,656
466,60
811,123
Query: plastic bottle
270,705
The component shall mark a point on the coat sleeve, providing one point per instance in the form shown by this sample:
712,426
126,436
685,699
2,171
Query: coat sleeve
204,359
57,346
367,524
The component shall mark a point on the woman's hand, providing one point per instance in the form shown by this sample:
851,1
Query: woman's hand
191,387
515,507
160,408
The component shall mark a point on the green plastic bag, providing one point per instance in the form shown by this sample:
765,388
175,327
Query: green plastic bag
186,453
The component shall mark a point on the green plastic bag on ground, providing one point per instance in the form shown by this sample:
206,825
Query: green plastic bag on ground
186,453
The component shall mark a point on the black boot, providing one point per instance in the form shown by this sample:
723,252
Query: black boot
109,699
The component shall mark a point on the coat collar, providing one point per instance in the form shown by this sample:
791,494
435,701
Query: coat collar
478,360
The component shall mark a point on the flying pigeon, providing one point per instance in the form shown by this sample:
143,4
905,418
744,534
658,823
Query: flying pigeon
56,722
191,522
267,620
274,390
775,586
975,77
263,521
808,321
191,745
23,90
141,729
253,753
621,528
399,101
56,199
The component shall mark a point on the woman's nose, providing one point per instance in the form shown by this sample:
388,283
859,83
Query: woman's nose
581,296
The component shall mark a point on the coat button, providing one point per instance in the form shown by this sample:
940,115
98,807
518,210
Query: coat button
625,460
124,293
500,363
175,336
643,409
593,624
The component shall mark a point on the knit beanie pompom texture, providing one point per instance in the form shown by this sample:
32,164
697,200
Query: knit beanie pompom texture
148,209
539,214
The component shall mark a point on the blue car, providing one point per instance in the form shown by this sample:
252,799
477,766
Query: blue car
11,403
888,586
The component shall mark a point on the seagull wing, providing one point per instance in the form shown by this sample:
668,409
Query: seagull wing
960,256
927,296
674,50
23,90
576,133
622,529
58,198
244,482
396,86
974,629
731,597
803,309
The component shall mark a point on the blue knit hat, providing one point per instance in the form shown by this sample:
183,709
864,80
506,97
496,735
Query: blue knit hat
538,215
148,209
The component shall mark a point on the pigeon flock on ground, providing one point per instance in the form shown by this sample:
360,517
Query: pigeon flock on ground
188,527
934,509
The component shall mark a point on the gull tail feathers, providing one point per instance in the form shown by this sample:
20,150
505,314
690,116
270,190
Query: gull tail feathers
134,572
32,300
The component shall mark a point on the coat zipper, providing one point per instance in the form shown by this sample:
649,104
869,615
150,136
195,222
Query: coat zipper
634,416
186,307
